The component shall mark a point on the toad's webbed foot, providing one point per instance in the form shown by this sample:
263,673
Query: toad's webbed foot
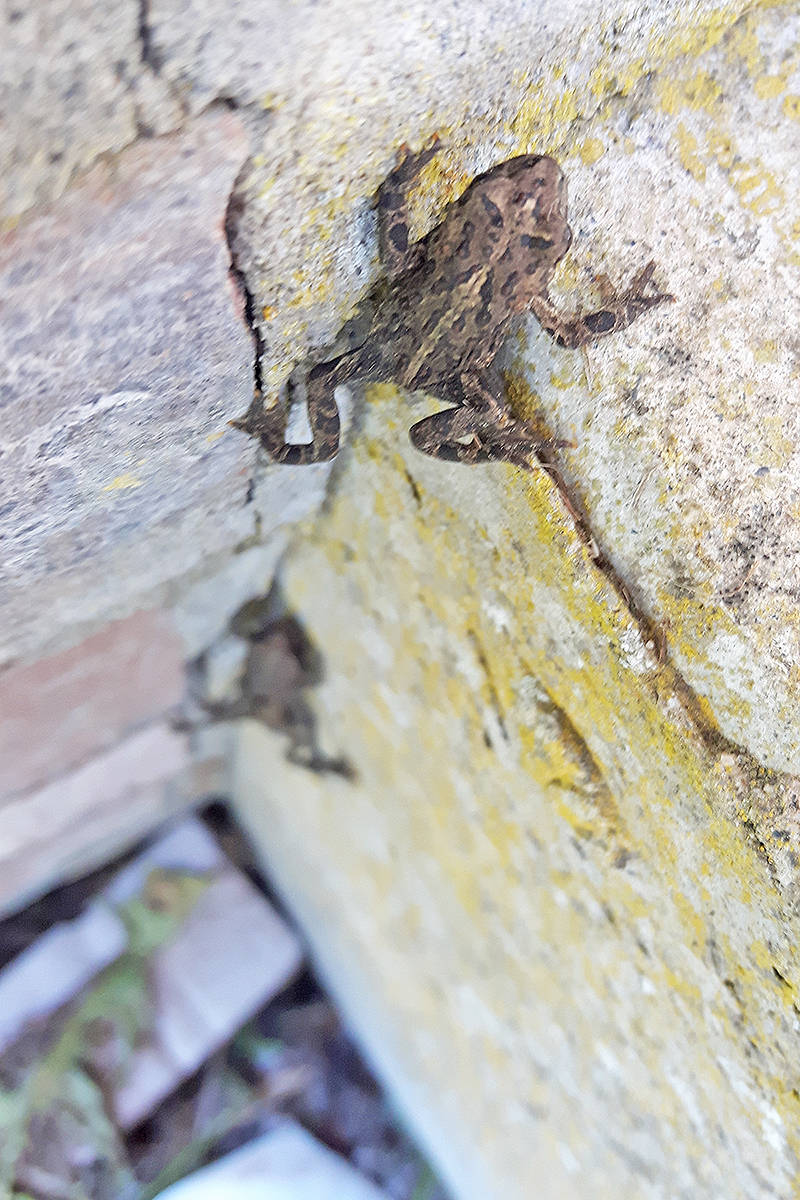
269,425
618,311
395,253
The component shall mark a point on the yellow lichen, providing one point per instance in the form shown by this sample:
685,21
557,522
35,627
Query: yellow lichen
467,824
591,150
123,482
697,90
688,153
769,86
766,352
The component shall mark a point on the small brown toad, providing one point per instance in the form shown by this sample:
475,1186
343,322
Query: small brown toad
440,315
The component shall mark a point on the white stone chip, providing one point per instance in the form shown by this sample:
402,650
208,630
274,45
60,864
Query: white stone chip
286,1164
224,668
56,966
232,954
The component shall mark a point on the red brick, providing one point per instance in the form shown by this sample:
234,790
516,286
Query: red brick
57,712
87,816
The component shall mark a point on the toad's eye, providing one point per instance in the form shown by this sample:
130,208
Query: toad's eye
520,196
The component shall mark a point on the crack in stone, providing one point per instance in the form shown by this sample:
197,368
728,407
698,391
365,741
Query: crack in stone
233,215
147,51
715,743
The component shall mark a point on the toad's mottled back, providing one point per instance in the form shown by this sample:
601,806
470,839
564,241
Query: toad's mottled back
442,313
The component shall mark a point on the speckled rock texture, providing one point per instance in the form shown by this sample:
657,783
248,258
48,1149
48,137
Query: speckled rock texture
75,83
557,889
124,351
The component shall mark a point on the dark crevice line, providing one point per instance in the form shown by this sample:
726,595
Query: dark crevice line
483,660
149,56
414,487
714,741
233,214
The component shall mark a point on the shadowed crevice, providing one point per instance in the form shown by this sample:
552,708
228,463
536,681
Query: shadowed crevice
282,664
147,51
233,216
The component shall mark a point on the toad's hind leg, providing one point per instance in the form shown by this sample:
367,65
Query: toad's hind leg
441,435
482,429
269,425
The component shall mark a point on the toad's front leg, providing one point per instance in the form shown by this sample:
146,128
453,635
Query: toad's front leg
618,311
395,252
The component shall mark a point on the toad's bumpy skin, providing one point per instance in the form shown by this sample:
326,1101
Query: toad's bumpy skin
444,309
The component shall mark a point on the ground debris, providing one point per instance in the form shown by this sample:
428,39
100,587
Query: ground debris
142,1066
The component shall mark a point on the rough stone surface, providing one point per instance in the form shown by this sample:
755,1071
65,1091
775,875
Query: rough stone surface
73,85
124,353
559,896
687,430
544,903
565,875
